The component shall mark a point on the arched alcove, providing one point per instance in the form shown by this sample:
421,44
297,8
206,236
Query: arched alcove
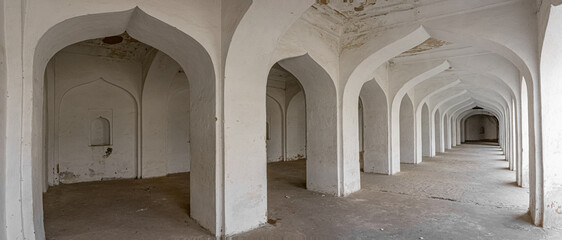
100,132
83,117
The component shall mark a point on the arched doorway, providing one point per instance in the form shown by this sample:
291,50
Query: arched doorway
193,59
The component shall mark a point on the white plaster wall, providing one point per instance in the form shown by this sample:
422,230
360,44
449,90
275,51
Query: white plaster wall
165,119
248,61
86,86
321,124
407,131
524,170
425,131
3,85
274,141
361,126
551,87
158,28
375,119
78,161
437,133
296,128
474,127
177,136
446,132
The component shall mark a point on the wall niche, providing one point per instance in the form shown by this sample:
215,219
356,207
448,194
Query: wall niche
100,128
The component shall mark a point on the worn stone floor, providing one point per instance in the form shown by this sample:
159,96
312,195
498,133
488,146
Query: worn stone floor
465,193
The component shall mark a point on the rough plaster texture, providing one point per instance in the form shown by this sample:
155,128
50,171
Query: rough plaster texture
286,116
426,129
296,128
375,121
86,88
523,169
551,64
407,139
321,129
79,160
274,131
165,119
437,133
3,118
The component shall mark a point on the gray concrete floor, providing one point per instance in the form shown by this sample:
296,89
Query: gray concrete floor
466,193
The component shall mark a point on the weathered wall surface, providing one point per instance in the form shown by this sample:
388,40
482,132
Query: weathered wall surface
296,128
274,130
286,117
481,128
550,34
407,143
375,124
426,128
3,85
177,140
165,118
88,87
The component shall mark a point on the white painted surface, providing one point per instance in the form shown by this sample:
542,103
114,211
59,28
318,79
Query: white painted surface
375,118
296,128
3,116
551,89
177,140
438,133
407,144
426,139
165,118
321,124
79,161
86,88
524,165
274,130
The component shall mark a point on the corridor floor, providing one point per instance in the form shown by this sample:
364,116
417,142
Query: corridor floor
466,193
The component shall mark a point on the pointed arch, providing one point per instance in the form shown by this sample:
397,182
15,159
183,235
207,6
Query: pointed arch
181,46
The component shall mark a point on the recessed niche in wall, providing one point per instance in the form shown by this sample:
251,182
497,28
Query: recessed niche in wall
100,127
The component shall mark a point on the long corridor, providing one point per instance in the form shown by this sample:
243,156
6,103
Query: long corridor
466,193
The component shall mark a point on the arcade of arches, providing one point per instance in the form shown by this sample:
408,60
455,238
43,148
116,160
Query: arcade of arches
294,118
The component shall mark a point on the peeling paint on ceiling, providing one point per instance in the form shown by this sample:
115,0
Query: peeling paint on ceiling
430,43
